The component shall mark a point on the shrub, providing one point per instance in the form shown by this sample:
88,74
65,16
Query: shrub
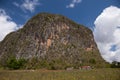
115,64
13,63
92,61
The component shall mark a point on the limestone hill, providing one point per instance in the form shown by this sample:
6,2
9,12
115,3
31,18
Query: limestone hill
51,41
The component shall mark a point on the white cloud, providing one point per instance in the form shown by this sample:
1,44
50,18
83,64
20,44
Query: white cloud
73,3
30,5
107,33
6,24
27,5
16,4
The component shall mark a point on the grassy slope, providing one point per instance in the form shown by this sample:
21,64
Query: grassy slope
94,74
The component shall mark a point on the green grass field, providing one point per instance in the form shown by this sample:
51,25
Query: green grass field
94,74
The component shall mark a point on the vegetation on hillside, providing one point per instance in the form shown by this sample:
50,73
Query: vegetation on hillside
13,63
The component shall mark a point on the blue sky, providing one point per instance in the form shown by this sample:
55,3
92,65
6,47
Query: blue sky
84,11
102,16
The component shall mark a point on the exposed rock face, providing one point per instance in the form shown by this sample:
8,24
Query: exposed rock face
53,39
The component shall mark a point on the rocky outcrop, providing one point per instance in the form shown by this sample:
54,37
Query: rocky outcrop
54,39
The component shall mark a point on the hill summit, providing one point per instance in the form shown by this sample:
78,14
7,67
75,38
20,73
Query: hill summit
51,41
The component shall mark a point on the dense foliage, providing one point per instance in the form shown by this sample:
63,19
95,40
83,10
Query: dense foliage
115,64
14,63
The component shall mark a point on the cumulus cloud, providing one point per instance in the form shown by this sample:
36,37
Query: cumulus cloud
73,3
6,24
30,5
107,33
27,5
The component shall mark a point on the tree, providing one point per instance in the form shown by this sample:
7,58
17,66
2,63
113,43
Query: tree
13,63
115,64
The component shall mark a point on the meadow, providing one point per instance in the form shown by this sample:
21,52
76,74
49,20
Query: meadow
93,74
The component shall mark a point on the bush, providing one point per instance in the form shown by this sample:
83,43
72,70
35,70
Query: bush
13,63
92,61
115,64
